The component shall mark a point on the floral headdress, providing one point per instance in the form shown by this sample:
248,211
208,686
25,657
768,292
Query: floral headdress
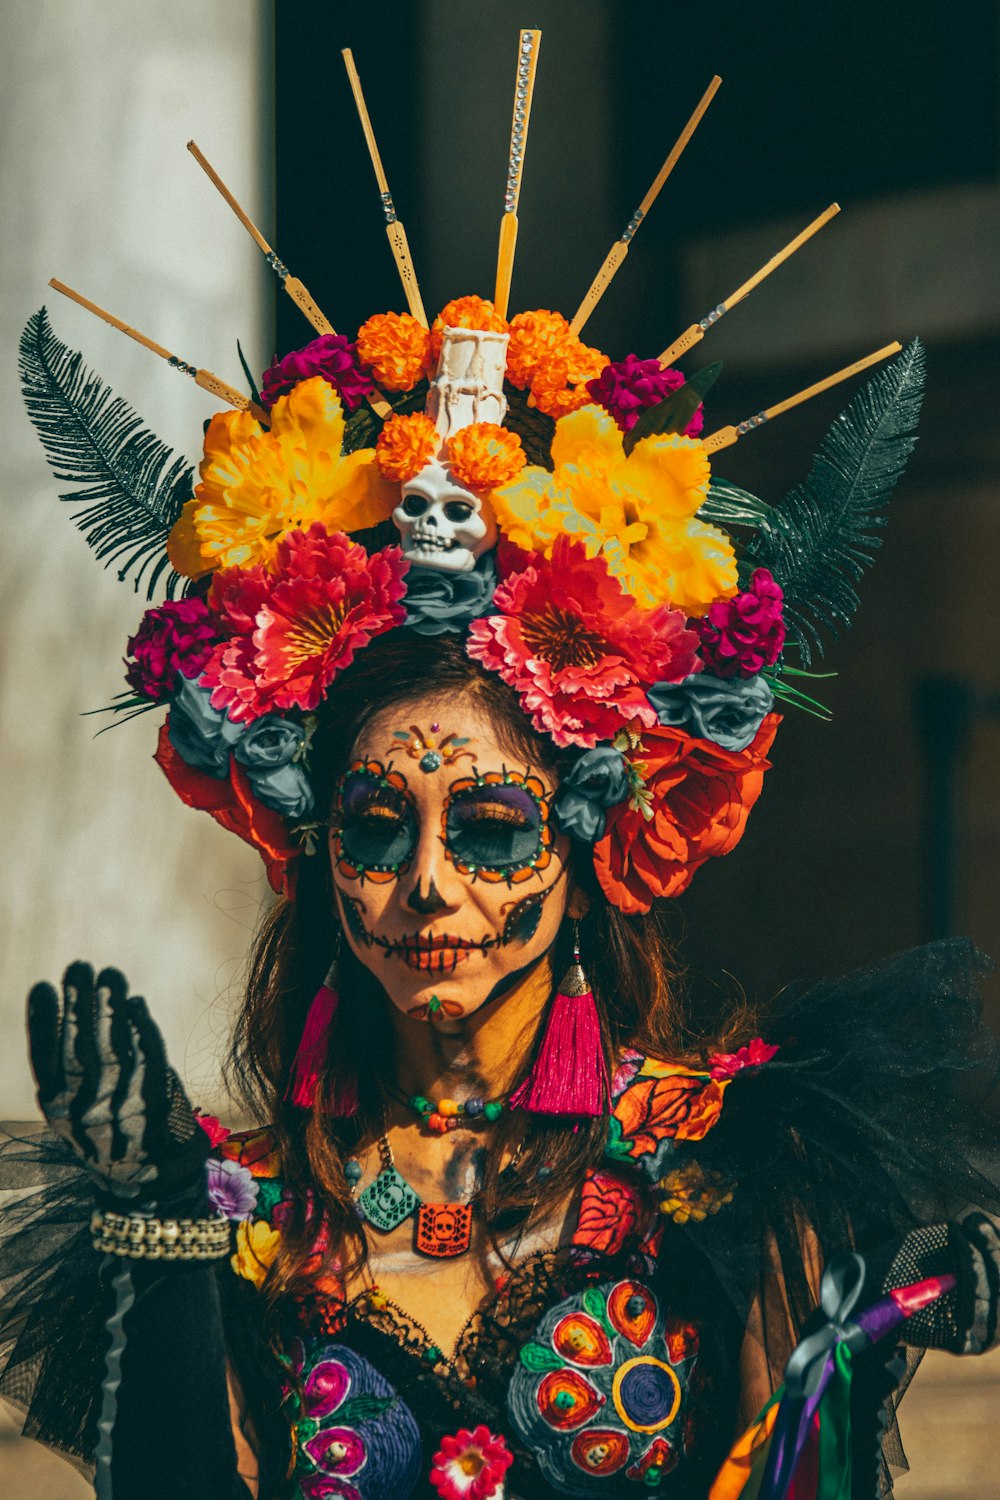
555,508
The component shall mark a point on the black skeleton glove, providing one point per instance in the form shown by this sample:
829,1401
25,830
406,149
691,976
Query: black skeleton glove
105,1087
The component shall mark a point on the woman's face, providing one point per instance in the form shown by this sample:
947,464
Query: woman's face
450,877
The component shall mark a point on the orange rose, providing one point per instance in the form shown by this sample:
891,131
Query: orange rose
700,797
683,1106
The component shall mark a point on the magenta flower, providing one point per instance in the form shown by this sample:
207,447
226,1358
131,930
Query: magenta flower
628,386
178,636
726,1064
213,1127
334,357
232,1189
744,634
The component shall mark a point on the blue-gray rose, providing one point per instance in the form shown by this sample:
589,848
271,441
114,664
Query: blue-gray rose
727,710
437,602
268,749
203,736
598,780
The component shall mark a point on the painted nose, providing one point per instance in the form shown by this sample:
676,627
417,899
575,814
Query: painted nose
425,905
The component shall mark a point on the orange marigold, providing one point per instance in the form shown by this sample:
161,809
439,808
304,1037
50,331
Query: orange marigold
484,455
405,445
464,312
535,338
560,386
396,348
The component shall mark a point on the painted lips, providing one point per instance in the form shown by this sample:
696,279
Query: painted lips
440,954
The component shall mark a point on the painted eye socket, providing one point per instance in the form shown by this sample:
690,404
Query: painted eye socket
378,829
493,827
414,505
457,510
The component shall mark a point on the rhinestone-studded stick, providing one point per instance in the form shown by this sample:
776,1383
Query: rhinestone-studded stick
524,88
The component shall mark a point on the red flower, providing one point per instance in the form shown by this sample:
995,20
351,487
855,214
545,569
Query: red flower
743,634
699,799
608,1213
626,387
178,636
213,1128
470,1465
295,628
577,648
756,1052
233,805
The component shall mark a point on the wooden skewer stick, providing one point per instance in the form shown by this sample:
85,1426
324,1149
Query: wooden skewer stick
295,288
524,89
393,226
292,285
204,378
619,249
697,331
726,436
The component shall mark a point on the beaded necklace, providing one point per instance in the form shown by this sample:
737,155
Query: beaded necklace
447,1114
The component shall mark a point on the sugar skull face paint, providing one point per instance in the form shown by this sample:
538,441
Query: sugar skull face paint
446,885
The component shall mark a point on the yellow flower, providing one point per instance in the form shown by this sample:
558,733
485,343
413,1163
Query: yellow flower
257,1245
692,1193
639,510
257,485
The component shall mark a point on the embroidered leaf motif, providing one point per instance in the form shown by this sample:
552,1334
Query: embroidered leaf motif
363,1409
594,1304
616,1147
537,1358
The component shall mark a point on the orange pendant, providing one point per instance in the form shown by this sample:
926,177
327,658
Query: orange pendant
444,1229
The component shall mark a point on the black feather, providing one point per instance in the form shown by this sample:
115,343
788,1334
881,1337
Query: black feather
820,539
134,487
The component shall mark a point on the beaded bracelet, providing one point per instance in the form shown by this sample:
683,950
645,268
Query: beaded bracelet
446,1114
140,1238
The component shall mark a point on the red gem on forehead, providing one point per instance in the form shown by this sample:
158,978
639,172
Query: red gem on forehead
435,727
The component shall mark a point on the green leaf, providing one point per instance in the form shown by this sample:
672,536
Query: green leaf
821,539
727,505
254,392
134,487
537,1358
616,1145
675,411
594,1304
363,1409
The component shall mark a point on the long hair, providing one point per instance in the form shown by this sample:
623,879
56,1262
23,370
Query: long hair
629,962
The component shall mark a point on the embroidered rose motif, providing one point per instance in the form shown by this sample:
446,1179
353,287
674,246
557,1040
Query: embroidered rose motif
608,1213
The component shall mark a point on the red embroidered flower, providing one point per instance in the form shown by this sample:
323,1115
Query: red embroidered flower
682,1105
756,1052
698,798
296,628
470,1465
608,1213
576,647
257,1150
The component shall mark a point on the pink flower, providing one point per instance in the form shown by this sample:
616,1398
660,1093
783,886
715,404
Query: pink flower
178,636
743,634
212,1127
726,1064
293,630
628,386
332,356
470,1465
576,647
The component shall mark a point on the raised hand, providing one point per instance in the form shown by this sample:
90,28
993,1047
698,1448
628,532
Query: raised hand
105,1086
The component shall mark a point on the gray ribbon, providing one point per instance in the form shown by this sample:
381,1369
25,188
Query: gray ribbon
839,1290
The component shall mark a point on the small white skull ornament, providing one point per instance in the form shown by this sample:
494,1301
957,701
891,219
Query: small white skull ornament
441,524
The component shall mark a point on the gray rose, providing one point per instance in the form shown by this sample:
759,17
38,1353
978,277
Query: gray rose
598,780
437,602
268,749
203,736
285,789
727,710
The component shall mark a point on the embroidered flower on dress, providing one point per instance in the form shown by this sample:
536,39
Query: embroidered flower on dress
470,1465
576,648
257,1244
257,486
691,1193
396,348
231,1188
293,631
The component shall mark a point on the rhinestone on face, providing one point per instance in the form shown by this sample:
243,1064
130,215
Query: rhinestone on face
429,761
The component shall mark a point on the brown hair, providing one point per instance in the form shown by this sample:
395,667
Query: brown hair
628,960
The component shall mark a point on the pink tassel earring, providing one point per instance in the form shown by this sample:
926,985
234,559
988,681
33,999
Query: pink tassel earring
311,1056
570,1073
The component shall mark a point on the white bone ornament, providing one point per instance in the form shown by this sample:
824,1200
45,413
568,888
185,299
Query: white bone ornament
442,524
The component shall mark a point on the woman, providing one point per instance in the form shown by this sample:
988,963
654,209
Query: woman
508,1225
